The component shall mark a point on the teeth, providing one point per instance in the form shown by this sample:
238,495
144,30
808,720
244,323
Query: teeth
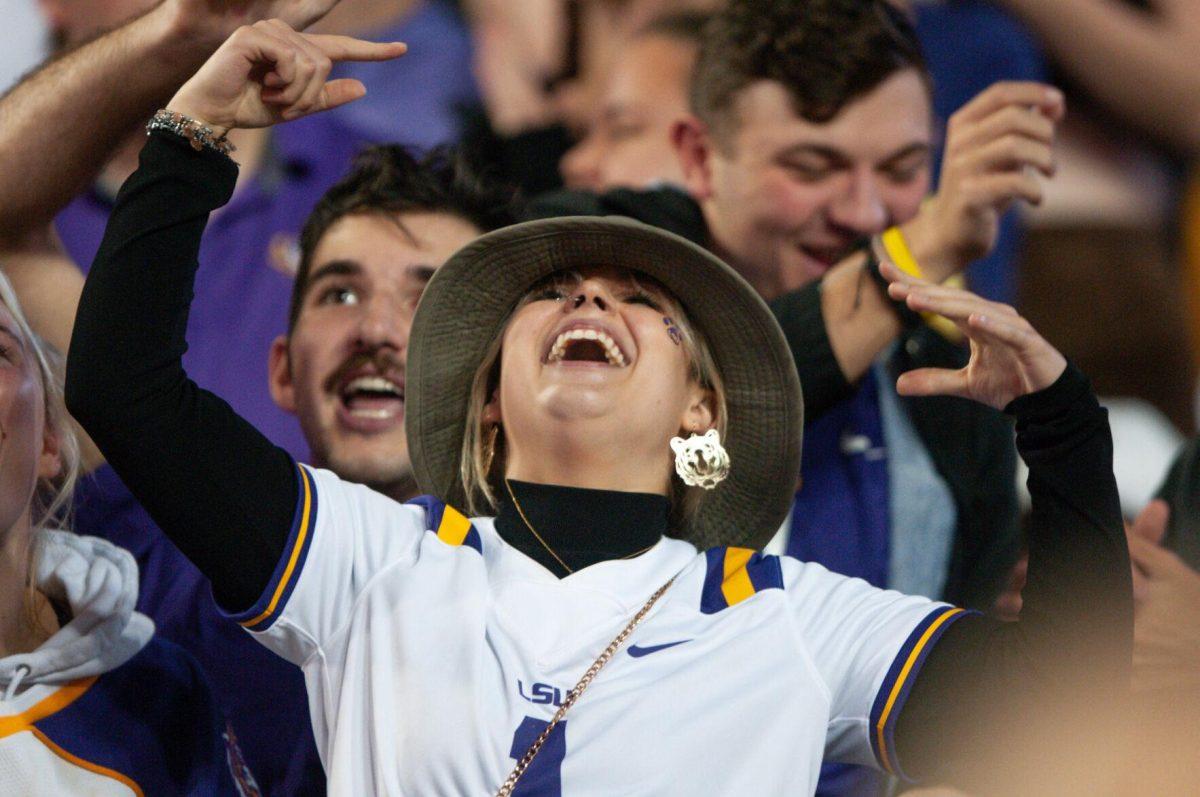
374,384
375,415
611,350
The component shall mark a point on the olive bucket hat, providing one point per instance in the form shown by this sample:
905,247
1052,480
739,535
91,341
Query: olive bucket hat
468,302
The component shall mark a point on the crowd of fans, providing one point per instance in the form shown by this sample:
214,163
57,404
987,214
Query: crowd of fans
1035,150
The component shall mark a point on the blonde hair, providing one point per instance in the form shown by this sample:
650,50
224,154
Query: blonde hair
482,461
51,502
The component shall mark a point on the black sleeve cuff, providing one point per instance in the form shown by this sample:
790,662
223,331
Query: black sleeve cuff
211,175
1062,406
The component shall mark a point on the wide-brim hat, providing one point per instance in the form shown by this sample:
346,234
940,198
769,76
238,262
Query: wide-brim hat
466,306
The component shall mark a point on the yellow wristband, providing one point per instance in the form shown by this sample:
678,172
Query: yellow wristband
900,254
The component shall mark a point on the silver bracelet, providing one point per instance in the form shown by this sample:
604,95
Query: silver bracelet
200,136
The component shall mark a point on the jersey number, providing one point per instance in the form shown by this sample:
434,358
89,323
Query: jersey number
543,778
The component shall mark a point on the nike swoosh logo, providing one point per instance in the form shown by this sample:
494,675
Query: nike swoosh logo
638,652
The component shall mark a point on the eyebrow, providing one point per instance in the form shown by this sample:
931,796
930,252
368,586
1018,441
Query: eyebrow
421,272
837,156
335,268
351,268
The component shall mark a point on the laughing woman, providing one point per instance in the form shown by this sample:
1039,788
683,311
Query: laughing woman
627,409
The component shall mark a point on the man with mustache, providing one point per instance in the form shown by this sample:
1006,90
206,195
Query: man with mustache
366,252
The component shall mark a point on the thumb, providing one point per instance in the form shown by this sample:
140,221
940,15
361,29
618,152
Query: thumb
1151,522
340,92
1153,560
933,382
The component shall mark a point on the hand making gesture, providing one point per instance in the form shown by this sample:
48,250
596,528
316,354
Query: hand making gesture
267,73
1009,359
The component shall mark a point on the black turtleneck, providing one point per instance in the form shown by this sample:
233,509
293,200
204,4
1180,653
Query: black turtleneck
581,526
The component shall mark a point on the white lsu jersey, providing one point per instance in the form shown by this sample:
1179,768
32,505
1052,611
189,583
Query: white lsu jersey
435,653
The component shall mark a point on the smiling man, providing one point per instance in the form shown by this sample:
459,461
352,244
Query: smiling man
786,195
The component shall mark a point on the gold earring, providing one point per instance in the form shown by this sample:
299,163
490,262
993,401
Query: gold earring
489,451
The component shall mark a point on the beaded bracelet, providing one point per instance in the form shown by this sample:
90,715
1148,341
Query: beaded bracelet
199,135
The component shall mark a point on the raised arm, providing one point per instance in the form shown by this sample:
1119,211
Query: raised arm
992,691
148,59
223,493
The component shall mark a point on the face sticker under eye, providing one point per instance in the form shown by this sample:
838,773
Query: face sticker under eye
673,331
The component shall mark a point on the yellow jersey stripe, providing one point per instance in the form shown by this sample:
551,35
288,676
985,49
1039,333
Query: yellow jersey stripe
301,536
56,702
736,585
913,655
454,527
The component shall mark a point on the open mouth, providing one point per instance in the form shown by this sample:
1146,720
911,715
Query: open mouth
586,345
826,256
373,397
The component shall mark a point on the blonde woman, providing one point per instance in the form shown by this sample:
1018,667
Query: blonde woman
90,701
618,418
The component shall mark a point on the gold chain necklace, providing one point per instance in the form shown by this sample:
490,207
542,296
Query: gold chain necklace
545,544
510,783
532,530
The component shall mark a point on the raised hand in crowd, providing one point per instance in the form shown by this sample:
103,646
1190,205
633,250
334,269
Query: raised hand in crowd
996,146
267,73
1166,619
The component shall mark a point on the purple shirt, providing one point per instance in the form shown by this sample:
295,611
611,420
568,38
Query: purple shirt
415,99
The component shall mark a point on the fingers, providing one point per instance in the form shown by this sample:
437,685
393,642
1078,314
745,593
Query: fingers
316,67
300,65
1154,560
992,327
895,276
1010,120
340,92
934,382
1151,522
996,190
1010,151
346,48
1047,99
997,140
954,303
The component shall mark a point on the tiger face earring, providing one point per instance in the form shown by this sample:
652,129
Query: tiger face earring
701,460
